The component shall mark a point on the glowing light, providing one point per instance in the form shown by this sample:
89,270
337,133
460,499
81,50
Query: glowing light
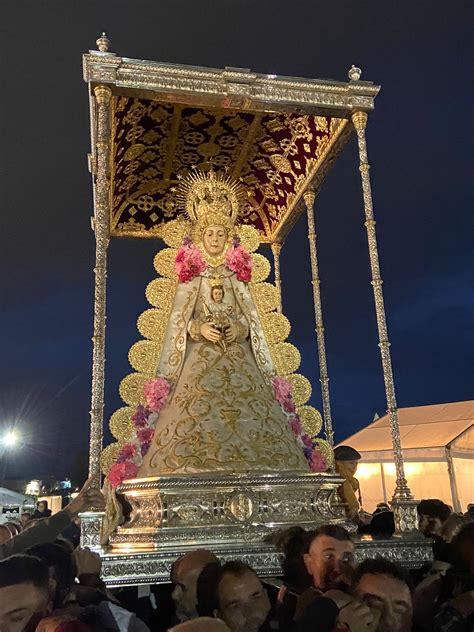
366,470
10,439
410,468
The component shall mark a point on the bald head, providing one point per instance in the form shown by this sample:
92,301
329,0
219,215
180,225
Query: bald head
184,576
201,624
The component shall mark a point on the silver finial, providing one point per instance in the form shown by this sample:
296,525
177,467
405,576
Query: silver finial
354,73
103,43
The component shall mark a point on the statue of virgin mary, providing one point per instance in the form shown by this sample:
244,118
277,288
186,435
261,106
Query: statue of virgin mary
216,403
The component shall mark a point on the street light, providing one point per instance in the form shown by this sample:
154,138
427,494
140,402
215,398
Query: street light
10,439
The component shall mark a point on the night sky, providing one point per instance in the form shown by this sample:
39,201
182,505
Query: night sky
420,151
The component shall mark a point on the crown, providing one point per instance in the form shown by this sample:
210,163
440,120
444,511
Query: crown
215,282
210,198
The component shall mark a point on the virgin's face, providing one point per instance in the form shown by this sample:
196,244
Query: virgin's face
214,240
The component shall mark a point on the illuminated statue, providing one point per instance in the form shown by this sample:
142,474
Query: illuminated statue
216,403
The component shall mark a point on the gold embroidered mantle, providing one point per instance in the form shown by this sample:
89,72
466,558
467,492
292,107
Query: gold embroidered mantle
268,328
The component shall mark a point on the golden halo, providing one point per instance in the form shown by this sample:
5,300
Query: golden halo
210,197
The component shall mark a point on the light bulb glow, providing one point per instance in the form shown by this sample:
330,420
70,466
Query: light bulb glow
10,439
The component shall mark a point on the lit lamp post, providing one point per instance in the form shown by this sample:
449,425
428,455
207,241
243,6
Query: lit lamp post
9,441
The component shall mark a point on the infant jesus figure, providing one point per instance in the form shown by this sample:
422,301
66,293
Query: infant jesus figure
218,318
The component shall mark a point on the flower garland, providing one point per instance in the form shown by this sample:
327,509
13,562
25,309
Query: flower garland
239,261
131,455
190,263
282,392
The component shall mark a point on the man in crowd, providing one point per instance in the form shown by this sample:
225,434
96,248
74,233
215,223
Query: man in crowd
47,529
385,588
184,575
330,557
432,515
241,601
24,592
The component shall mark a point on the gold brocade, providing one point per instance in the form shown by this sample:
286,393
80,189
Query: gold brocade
221,415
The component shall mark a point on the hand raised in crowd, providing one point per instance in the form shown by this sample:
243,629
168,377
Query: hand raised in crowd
89,497
87,562
358,617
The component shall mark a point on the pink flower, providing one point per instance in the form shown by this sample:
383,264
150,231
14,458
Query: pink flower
281,389
295,426
189,262
156,393
121,471
317,462
126,453
239,261
140,417
145,435
116,474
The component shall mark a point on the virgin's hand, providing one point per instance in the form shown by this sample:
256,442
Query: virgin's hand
231,333
209,332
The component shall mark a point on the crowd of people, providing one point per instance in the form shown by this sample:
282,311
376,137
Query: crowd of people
49,584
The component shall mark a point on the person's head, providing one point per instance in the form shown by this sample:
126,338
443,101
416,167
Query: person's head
329,556
217,293
201,624
242,601
462,548
24,591
24,518
61,569
292,543
42,505
381,507
451,526
214,239
385,587
5,534
432,514
184,575
348,457
382,525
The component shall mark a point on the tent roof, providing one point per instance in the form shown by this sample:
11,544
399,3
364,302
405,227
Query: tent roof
434,426
7,497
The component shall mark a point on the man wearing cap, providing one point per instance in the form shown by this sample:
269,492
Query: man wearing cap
347,460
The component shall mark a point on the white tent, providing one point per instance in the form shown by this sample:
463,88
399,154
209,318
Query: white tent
438,449
7,497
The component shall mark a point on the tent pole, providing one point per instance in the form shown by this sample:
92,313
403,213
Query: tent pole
309,197
384,485
404,506
452,480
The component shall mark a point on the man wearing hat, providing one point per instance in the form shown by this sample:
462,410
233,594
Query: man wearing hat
347,460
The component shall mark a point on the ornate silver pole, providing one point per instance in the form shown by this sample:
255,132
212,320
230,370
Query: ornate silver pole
404,507
309,197
276,249
103,96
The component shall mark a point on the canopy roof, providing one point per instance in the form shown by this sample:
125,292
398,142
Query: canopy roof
279,135
421,428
